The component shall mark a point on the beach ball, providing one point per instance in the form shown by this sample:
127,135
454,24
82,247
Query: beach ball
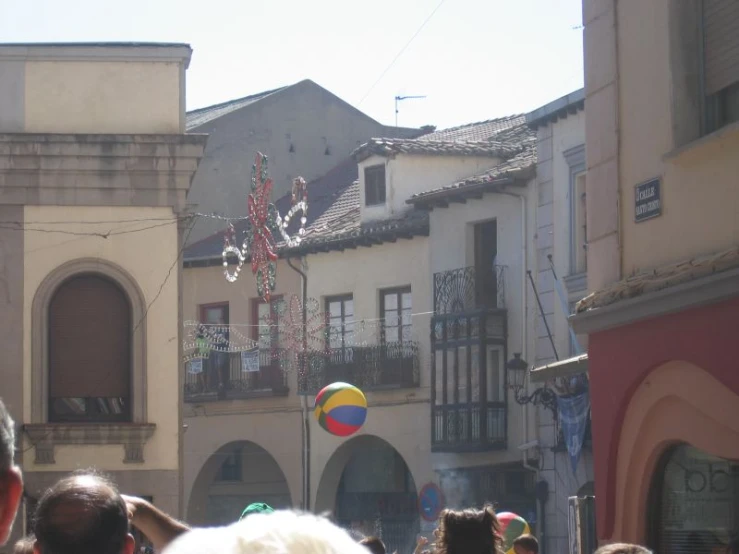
512,526
341,409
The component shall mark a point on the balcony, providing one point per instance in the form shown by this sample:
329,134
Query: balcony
382,366
469,427
469,289
222,377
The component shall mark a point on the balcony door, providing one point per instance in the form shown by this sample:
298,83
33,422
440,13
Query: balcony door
486,252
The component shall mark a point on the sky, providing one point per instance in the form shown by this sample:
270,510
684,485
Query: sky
472,60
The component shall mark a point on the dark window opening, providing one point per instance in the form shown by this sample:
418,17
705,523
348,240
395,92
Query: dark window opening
90,331
231,467
486,272
374,185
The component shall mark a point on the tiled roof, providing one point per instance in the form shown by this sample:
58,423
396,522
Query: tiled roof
482,130
661,278
521,142
390,147
199,117
341,226
322,198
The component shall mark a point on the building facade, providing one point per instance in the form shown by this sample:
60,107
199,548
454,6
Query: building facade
662,262
303,129
396,265
95,168
561,254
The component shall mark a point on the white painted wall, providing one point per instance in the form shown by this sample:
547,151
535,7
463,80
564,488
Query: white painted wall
451,242
408,175
399,416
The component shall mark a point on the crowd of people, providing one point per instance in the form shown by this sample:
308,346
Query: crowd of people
85,513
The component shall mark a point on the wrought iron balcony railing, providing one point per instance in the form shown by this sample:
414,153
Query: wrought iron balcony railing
222,377
385,365
469,288
469,427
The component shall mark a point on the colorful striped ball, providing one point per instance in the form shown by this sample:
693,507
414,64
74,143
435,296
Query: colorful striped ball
512,526
341,409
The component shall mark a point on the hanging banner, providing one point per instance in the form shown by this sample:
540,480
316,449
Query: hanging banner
195,367
574,412
250,360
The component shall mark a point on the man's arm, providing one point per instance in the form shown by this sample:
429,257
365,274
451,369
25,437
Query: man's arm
158,527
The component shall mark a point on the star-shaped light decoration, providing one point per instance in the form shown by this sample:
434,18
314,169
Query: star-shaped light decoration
259,243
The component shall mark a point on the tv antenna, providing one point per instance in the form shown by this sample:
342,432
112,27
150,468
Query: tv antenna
400,99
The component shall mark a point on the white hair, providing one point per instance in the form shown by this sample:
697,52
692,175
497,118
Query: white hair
281,532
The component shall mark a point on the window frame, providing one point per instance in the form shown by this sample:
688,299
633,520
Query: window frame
575,158
90,415
40,336
342,298
398,292
274,339
374,199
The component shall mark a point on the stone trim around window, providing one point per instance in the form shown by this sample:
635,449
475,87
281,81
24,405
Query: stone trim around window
575,158
133,436
40,337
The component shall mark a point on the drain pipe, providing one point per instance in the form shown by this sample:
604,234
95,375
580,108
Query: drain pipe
524,319
305,427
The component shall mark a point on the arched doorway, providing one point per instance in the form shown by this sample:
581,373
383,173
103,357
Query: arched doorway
236,475
372,492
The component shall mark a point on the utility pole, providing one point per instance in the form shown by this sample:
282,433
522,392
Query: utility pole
400,99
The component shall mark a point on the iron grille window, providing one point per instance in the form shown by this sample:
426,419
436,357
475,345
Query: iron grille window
374,185
340,314
721,62
89,351
396,313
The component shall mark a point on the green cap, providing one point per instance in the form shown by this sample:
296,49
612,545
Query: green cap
256,508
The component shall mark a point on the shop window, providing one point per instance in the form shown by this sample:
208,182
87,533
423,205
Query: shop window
697,503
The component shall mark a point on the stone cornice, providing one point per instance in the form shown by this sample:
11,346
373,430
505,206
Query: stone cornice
133,436
692,294
98,170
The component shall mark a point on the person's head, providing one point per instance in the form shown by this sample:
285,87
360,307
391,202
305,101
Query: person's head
526,544
256,508
11,484
622,548
25,545
374,545
82,514
281,532
468,532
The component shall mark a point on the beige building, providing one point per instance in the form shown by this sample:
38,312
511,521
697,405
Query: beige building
406,244
662,137
95,169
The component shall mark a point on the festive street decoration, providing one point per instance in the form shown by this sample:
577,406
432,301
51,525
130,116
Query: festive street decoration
201,339
341,409
259,243
287,319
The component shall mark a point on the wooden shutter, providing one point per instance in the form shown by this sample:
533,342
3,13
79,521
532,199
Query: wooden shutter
721,43
89,339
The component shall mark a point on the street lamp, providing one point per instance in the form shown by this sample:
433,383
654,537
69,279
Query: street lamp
544,396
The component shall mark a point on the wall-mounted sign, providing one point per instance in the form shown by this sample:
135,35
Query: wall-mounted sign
430,502
647,200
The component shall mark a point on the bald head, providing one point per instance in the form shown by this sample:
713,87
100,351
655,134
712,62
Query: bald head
82,514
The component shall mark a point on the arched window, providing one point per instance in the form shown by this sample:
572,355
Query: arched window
697,501
90,355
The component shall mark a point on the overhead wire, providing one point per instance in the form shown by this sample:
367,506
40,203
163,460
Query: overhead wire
402,50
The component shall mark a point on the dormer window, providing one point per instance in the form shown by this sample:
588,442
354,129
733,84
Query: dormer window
374,185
